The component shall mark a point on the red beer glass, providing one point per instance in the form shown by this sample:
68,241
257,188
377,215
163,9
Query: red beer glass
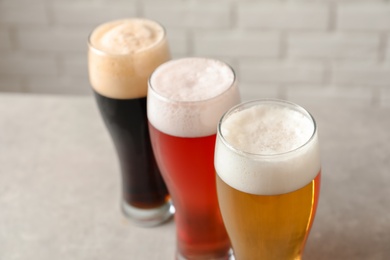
186,98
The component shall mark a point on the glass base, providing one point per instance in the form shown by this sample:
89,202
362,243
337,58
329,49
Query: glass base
149,217
228,256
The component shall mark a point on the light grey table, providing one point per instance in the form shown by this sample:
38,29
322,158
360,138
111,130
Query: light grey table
59,185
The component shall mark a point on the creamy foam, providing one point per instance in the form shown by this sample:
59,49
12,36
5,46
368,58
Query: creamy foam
188,96
267,148
123,54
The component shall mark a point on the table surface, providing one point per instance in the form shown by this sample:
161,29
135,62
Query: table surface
59,185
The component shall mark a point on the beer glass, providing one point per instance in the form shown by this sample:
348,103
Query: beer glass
268,169
186,99
122,55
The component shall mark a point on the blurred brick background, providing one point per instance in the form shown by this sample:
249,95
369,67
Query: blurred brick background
292,49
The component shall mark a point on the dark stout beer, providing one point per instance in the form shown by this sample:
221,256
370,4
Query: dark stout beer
122,55
142,184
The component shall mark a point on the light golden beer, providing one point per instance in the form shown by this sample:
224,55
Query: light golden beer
268,178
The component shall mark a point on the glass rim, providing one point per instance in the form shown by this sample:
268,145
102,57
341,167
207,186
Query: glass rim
98,51
251,103
160,96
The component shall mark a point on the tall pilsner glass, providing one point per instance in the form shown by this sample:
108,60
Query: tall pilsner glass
122,55
268,178
186,99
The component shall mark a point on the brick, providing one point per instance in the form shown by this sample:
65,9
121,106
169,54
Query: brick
332,95
59,85
178,42
23,12
20,64
238,44
333,45
364,16
384,99
388,49
53,39
5,40
362,73
74,65
90,13
11,84
179,14
257,91
283,15
281,72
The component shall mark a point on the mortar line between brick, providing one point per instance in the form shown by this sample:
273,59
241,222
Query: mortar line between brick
332,23
327,73
282,92
233,15
283,45
139,9
382,48
12,31
24,85
49,13
190,42
375,97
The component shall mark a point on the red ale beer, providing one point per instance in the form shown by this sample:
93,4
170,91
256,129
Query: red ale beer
122,55
268,178
186,99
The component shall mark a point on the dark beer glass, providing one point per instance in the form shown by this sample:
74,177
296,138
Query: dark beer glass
186,98
122,55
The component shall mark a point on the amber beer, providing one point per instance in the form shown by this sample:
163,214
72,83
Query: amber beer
268,178
186,99
122,55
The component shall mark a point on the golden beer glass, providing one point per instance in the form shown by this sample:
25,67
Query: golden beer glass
268,169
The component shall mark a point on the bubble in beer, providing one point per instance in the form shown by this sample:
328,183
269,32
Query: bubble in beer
267,148
267,130
192,79
122,55
127,36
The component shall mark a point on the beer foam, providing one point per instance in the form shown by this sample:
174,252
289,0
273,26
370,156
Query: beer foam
188,96
267,149
123,54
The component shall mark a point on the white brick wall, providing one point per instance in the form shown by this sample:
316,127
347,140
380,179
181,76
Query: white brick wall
236,44
282,72
5,40
52,40
295,49
188,14
85,13
384,98
21,65
279,16
387,51
22,12
361,74
333,45
364,16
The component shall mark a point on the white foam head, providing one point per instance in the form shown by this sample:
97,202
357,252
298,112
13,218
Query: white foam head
188,96
267,147
122,55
